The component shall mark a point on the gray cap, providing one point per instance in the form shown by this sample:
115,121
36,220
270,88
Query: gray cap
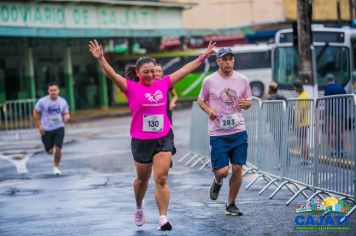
330,78
224,51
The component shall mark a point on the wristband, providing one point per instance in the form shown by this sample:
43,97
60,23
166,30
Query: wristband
202,57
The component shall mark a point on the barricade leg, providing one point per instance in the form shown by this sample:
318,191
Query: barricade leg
348,213
197,161
204,164
285,183
318,193
297,187
249,170
254,180
268,179
297,193
351,210
277,189
185,156
267,185
192,159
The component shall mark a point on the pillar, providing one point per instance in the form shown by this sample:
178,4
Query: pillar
103,88
29,70
69,78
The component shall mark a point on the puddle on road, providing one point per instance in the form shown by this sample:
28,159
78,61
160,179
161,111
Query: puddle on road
194,204
17,158
102,185
20,192
215,204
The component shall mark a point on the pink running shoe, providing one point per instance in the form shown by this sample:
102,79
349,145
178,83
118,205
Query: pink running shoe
139,217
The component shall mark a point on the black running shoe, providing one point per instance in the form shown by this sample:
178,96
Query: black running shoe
214,190
232,210
166,227
164,224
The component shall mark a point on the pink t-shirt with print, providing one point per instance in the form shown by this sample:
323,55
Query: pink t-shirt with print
148,107
221,94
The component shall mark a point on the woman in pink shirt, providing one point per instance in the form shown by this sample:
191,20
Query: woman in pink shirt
152,137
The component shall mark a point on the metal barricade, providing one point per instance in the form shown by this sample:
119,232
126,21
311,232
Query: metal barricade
18,115
299,142
297,147
335,138
310,146
270,144
251,117
270,137
199,143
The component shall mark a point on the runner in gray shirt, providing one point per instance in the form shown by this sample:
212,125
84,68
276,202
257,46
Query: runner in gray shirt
50,113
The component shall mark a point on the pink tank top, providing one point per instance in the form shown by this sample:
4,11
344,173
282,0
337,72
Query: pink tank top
148,106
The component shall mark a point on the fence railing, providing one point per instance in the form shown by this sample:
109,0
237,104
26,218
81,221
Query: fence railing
17,114
305,145
252,125
335,150
198,139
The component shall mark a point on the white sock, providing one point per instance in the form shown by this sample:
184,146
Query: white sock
163,220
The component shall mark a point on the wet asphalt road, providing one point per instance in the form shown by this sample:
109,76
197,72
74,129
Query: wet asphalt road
94,195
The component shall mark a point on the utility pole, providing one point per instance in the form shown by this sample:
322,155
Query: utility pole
306,57
304,18
338,12
351,10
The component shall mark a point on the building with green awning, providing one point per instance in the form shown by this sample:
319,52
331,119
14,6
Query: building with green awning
42,41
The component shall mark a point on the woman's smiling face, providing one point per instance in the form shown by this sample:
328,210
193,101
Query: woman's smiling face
146,73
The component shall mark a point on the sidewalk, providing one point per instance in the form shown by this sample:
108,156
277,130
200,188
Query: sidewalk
97,113
122,110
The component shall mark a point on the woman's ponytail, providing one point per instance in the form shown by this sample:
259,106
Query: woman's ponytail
130,73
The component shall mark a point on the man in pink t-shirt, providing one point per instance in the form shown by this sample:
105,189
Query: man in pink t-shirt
223,96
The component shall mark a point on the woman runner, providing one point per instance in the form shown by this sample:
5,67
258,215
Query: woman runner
152,137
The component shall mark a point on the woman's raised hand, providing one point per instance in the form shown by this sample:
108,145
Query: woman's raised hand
210,50
96,49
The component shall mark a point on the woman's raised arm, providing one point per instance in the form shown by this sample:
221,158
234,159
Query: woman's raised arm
191,66
97,52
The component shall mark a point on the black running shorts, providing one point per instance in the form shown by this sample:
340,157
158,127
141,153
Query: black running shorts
53,137
143,151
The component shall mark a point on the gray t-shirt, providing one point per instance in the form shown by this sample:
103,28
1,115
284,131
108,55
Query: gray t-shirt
52,112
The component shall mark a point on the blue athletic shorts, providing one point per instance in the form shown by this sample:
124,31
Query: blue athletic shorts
231,147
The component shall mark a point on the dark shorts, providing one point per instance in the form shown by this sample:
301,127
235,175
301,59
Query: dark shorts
227,148
170,116
53,137
143,151
303,131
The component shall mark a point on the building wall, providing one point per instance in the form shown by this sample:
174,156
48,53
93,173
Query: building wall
39,19
323,10
48,60
39,33
209,14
